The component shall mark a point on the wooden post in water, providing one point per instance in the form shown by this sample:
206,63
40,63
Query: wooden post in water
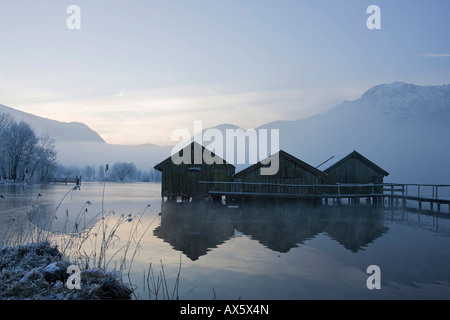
405,191
432,196
418,196
339,193
392,196
373,196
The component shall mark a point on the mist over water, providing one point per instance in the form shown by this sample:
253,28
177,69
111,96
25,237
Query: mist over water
271,250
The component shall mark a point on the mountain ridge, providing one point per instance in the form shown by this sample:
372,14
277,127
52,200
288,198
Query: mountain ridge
401,127
410,143
65,131
408,99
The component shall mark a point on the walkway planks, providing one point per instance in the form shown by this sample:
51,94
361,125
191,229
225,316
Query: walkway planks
386,193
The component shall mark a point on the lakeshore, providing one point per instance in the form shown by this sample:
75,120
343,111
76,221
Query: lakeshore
279,251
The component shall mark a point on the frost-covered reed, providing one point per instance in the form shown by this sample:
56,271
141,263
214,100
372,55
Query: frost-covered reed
105,240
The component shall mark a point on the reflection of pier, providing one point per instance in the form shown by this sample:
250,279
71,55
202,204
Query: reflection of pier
195,229
389,194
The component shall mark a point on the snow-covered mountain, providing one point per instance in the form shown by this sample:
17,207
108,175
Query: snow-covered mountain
400,100
404,128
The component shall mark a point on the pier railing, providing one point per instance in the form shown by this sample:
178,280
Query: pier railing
64,180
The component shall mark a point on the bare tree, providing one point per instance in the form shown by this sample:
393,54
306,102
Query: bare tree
22,152
89,172
124,170
5,122
44,158
19,144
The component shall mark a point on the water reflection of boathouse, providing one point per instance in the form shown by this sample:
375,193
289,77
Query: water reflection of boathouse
195,230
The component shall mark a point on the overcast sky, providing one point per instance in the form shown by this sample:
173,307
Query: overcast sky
137,70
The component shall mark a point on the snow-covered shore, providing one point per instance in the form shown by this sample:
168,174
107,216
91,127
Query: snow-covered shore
38,271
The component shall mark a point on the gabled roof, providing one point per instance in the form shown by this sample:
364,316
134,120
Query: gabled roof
192,145
285,155
334,162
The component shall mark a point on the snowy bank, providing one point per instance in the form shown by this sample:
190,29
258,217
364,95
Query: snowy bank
38,271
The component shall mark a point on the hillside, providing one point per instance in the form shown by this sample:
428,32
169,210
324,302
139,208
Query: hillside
404,128
60,131
79,145
401,127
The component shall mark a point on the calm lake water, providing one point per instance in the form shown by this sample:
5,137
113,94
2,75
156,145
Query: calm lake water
260,251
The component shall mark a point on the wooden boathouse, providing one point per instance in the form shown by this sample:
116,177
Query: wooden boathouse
350,178
181,181
352,168
353,174
291,171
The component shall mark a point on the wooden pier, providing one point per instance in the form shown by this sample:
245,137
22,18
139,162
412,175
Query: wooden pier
386,194
76,180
